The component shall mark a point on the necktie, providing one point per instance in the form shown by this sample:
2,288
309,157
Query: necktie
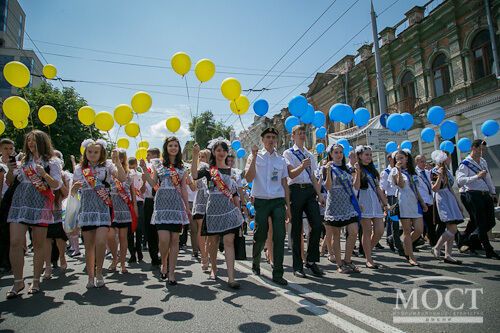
426,181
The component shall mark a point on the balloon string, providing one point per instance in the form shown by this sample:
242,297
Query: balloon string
31,113
241,122
117,132
111,141
189,98
197,109
140,133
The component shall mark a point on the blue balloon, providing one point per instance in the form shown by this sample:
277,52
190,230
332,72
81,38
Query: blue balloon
341,113
308,117
236,144
320,148
448,129
427,135
394,218
383,119
447,146
298,106
361,117
251,225
406,145
395,122
291,122
344,143
260,107
319,119
464,144
240,153
321,133
248,205
250,185
252,211
407,121
391,147
436,115
347,150
490,127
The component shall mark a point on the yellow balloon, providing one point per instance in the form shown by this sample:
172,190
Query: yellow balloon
123,143
2,127
104,121
82,150
204,70
86,115
141,153
20,124
123,114
47,115
173,124
144,144
240,105
231,88
181,63
17,74
16,108
49,71
132,129
141,102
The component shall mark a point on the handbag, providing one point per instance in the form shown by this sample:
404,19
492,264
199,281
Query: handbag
71,213
240,251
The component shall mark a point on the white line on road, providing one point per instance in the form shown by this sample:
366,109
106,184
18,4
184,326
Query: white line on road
355,314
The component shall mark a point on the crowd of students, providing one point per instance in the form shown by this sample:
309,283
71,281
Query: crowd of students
124,204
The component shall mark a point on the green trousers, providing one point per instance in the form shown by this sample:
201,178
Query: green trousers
274,209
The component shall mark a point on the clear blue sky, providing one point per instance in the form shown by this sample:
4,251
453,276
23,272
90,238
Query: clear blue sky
239,36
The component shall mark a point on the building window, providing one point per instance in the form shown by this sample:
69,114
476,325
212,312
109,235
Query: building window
441,76
482,55
407,102
4,4
4,59
20,33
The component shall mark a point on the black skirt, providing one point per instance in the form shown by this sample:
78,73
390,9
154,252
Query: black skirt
204,231
93,227
56,231
169,227
340,224
121,225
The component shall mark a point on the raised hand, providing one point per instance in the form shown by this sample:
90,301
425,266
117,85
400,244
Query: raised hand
255,150
306,163
196,150
40,170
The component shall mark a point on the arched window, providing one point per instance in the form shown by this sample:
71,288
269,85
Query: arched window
440,75
407,102
482,55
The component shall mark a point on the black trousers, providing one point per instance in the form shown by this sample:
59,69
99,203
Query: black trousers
481,209
4,243
430,225
151,231
135,239
303,200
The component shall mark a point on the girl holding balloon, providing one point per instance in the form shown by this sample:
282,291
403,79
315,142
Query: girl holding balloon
447,205
199,209
171,207
371,200
92,178
223,216
125,211
35,179
411,204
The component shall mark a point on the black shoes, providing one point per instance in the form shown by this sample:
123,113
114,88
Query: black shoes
280,281
315,269
492,255
132,260
379,246
300,273
256,269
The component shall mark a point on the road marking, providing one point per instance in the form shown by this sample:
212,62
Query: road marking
311,307
355,314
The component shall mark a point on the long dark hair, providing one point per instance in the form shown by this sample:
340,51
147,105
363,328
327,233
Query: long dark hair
212,161
178,157
43,145
410,164
370,167
343,165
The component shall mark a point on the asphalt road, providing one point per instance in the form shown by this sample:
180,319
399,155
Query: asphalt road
363,302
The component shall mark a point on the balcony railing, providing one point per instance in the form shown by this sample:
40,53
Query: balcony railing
409,104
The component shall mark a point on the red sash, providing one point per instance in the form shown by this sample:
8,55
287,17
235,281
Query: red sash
123,194
41,187
174,176
101,192
217,179
157,186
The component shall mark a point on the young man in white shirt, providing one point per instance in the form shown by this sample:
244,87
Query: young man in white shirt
305,193
6,151
268,171
478,195
135,240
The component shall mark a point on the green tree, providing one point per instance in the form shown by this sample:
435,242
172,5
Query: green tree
67,132
204,128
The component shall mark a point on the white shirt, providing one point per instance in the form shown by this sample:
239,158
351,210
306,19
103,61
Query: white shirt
136,178
236,176
424,185
191,194
385,185
469,181
4,169
149,190
294,162
270,170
